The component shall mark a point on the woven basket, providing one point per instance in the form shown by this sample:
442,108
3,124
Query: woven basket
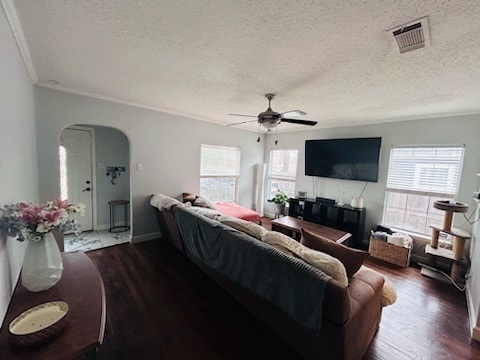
390,253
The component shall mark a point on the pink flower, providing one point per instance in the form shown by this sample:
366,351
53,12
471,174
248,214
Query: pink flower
30,213
53,216
61,204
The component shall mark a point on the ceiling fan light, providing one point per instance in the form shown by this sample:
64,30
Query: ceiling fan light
270,125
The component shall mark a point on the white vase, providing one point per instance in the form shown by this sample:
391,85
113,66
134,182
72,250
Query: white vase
42,265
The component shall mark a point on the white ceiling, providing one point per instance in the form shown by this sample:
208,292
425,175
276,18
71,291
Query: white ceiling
205,59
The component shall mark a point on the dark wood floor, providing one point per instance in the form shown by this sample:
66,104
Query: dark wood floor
159,306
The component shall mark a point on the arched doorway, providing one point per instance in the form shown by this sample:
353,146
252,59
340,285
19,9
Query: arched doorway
95,170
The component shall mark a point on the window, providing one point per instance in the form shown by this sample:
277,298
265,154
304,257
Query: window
63,173
219,171
283,172
417,177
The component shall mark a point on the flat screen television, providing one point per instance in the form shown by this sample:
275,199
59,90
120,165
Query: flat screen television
352,159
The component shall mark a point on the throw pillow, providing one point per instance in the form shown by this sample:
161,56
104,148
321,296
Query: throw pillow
328,264
187,197
352,259
202,202
389,292
246,227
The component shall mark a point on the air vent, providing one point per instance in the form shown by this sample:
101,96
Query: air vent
412,36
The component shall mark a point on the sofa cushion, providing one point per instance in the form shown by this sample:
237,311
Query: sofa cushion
352,259
328,264
207,212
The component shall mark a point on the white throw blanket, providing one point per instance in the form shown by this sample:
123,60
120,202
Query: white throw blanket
164,202
400,239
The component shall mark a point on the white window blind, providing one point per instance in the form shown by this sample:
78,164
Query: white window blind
219,161
284,164
219,170
417,177
283,172
425,169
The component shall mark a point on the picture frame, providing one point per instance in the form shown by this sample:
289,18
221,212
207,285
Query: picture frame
302,194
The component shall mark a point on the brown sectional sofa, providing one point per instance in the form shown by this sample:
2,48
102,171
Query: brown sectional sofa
350,315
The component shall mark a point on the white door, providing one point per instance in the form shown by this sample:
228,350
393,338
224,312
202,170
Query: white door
78,144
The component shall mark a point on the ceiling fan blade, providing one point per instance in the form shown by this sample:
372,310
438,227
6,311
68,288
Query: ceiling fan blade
243,115
243,122
293,113
300,122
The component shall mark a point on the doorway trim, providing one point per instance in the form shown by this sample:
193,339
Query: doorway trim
93,163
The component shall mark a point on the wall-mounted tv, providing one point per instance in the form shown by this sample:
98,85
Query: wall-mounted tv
352,159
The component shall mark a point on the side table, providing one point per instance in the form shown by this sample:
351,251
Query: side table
124,226
82,288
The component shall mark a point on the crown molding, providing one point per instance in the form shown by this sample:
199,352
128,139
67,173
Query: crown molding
60,87
14,22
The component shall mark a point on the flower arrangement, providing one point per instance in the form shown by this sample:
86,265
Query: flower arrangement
280,198
33,221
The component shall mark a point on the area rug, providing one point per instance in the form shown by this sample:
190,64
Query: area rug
93,240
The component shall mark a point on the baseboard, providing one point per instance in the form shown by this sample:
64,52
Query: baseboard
472,315
146,237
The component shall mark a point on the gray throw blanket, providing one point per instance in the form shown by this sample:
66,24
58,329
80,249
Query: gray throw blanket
294,286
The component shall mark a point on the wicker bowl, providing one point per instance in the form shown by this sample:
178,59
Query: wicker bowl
38,324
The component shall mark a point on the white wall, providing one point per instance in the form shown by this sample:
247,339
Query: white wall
18,164
451,130
111,149
167,145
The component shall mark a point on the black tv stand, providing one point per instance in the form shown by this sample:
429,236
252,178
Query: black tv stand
341,217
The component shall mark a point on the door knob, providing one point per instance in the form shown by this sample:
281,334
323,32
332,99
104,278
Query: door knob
87,182
87,189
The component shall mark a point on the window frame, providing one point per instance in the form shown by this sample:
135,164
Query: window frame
222,176
271,177
426,193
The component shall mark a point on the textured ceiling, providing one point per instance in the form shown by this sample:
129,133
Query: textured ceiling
205,59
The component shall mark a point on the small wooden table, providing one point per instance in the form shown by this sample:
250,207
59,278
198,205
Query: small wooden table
82,288
291,226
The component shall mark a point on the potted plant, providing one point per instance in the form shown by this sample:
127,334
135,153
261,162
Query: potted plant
280,200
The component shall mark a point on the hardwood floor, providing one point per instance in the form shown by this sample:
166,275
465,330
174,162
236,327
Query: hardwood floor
160,306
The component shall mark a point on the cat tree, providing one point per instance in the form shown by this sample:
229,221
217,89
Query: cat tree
459,237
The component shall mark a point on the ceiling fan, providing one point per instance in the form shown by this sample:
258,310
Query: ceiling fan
270,119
